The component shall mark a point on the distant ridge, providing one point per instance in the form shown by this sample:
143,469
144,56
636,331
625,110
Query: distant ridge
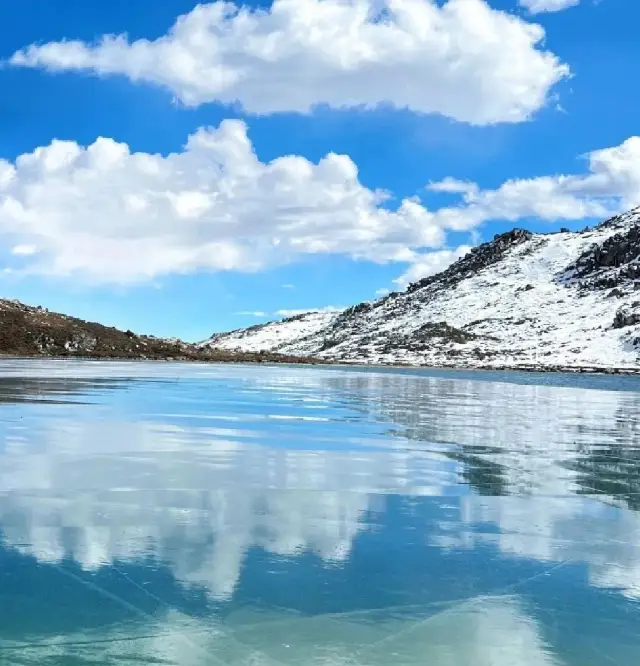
34,331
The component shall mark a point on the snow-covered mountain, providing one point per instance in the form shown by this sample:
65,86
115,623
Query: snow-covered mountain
557,300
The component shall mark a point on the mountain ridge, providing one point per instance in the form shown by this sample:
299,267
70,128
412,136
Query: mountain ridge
29,331
561,299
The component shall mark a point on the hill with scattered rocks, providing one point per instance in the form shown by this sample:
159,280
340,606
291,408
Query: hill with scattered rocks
565,300
34,331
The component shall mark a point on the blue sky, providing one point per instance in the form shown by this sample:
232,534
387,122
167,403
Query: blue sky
468,100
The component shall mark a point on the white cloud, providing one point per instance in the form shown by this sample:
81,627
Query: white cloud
460,59
611,184
450,185
118,216
430,263
288,286
249,313
382,292
540,6
24,250
109,215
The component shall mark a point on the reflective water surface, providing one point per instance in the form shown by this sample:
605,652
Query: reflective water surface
232,515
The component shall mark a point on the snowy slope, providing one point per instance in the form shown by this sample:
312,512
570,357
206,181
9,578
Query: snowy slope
273,335
569,299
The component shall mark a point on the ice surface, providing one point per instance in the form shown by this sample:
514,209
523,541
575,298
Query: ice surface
164,517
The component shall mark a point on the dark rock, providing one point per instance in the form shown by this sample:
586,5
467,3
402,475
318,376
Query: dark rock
442,330
297,317
627,316
618,221
351,313
328,343
478,258
609,264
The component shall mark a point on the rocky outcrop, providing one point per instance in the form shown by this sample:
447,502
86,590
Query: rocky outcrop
442,330
613,263
627,316
477,259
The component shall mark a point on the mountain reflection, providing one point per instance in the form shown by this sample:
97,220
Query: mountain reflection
512,438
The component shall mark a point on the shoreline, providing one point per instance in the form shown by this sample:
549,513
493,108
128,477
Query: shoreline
309,361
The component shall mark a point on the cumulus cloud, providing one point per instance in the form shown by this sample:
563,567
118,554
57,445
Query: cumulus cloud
461,59
118,216
450,185
611,184
109,215
540,6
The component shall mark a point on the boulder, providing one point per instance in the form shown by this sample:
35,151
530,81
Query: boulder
627,316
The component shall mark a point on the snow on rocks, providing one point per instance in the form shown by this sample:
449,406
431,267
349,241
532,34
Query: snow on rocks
627,316
567,299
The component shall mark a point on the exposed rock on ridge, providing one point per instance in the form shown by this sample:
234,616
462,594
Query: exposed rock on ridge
478,258
610,264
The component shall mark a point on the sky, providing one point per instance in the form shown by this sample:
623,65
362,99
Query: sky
181,169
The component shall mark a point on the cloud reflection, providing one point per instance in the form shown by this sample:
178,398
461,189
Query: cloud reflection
197,476
101,489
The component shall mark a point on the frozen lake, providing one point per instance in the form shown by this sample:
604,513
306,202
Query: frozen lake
195,515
